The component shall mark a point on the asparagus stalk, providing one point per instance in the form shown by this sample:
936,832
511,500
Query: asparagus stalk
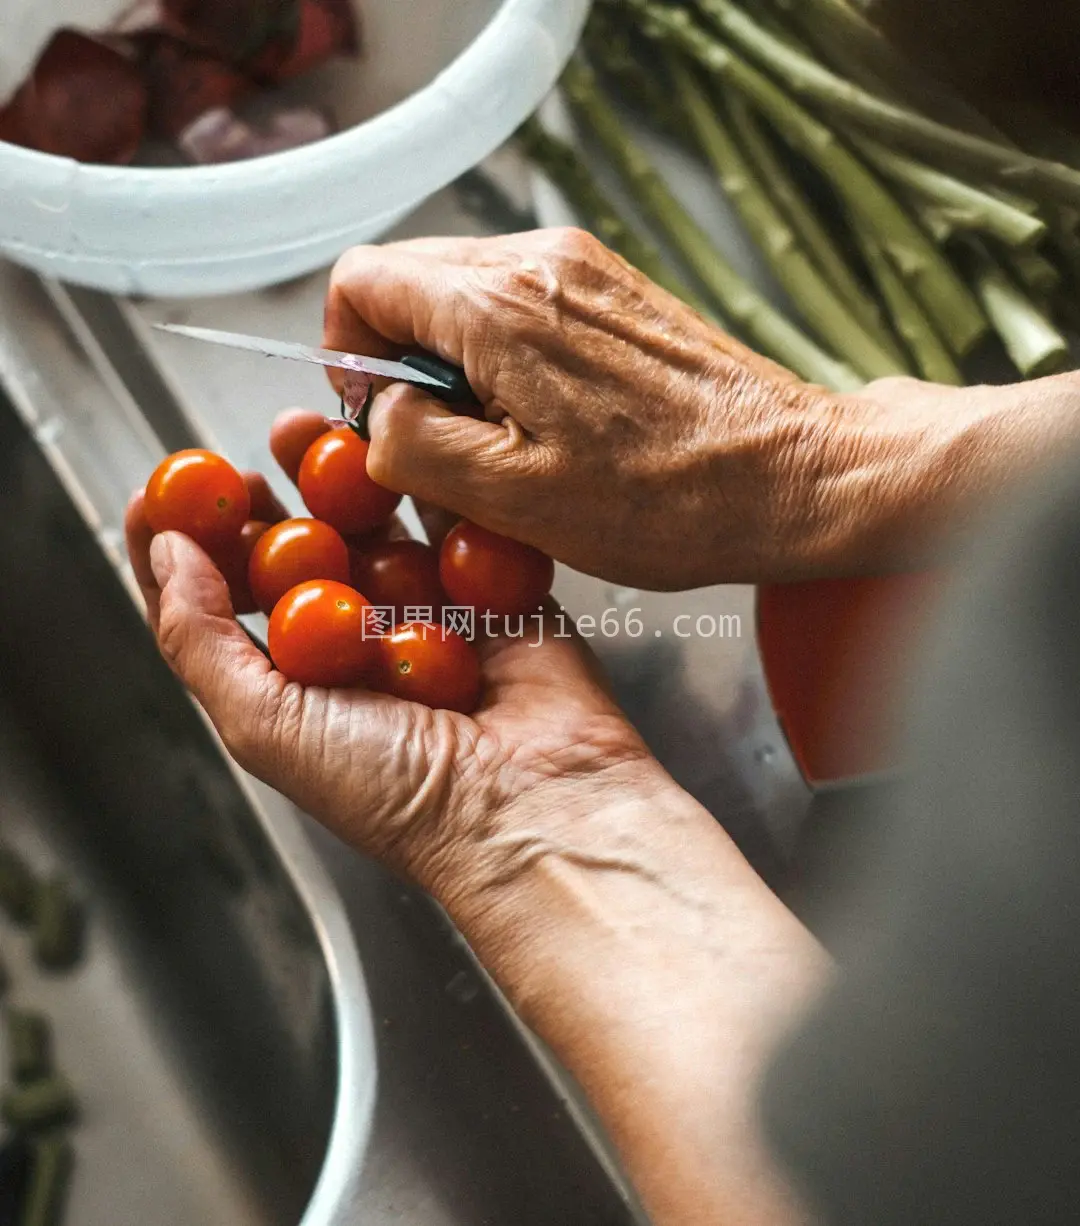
1067,247
807,79
761,323
803,219
805,286
1029,336
1034,271
859,51
932,358
956,203
952,308
1067,312
609,47
561,163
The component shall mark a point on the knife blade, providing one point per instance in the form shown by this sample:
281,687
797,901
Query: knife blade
441,379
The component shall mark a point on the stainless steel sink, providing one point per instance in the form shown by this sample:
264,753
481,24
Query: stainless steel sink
218,1030
222,1015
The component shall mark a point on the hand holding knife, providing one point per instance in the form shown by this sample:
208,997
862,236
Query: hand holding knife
440,379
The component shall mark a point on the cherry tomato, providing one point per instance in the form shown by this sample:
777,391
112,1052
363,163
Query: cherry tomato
292,434
420,662
492,573
399,575
335,484
233,562
317,635
291,553
200,494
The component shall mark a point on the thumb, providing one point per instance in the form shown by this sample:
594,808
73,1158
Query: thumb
209,650
422,448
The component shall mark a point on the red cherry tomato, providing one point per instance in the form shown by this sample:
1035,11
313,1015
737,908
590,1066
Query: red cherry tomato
292,553
233,563
492,573
292,434
317,635
398,575
335,484
420,662
200,494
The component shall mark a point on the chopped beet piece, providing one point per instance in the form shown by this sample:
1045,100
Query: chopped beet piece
185,83
234,31
84,100
326,28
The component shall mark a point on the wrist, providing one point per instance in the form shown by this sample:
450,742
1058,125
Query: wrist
615,871
660,971
498,878
926,459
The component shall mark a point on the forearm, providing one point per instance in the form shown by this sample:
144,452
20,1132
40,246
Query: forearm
651,958
880,481
981,443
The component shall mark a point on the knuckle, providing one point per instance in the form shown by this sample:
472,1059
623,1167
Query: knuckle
345,267
571,243
381,463
552,272
894,385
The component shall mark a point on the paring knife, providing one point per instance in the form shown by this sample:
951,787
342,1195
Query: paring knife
440,379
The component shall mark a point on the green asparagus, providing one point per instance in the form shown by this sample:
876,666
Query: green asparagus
1030,338
803,218
859,51
955,202
761,323
561,163
951,306
932,358
805,286
805,77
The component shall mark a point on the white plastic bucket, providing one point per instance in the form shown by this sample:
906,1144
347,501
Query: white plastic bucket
445,81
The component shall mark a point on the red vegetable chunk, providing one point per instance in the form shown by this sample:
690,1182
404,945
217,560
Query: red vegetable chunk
185,83
11,129
325,29
236,30
84,100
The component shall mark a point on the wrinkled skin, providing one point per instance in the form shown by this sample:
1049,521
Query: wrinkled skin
616,416
627,436
432,793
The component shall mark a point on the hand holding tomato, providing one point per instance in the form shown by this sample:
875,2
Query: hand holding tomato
425,790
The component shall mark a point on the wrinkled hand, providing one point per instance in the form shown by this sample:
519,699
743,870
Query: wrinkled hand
623,434
452,802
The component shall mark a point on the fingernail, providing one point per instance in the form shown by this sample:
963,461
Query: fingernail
162,559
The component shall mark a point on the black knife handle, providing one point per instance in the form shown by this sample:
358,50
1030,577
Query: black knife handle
456,389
